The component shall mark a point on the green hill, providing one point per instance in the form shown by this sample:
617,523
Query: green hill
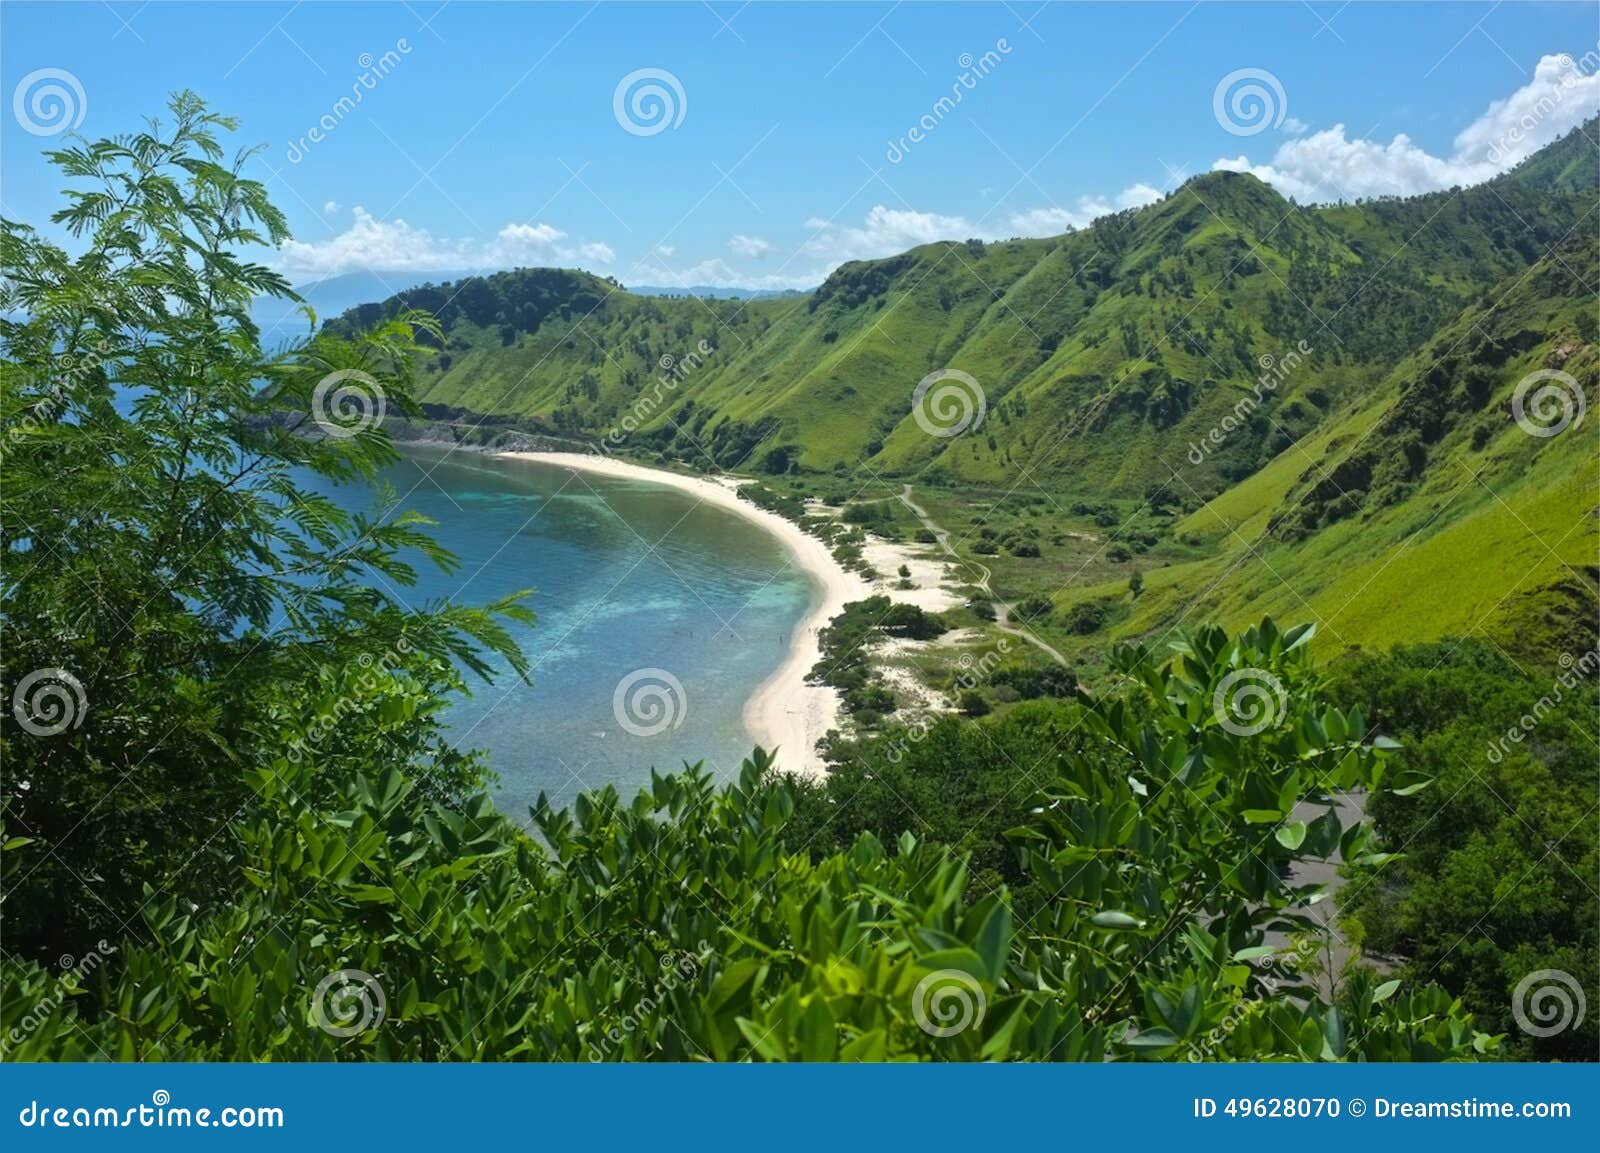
1321,384
1141,330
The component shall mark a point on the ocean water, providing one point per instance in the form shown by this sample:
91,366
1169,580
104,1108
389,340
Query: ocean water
658,617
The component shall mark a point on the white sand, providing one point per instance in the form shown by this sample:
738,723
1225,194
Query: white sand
784,712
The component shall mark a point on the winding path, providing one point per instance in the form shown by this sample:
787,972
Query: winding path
1002,611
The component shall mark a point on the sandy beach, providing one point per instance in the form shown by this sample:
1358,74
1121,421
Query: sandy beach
784,712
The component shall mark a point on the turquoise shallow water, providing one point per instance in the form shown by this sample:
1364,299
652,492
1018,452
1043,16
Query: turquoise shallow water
627,578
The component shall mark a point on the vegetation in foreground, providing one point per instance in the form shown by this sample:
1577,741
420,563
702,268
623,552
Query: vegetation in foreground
238,802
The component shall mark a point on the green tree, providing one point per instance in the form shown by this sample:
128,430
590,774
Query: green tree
694,924
172,587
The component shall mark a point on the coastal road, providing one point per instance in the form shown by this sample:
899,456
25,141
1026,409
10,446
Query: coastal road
1002,611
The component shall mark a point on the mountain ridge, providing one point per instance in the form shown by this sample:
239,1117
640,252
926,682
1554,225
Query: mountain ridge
1221,353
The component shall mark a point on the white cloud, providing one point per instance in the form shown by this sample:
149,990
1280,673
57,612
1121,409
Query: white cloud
1328,165
330,208
754,247
1294,126
884,232
717,273
1054,220
385,245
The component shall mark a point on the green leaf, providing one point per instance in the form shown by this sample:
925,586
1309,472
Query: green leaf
1408,790
994,940
1153,1039
871,1046
1116,919
1299,635
964,960
763,1038
1291,836
819,1041
1262,816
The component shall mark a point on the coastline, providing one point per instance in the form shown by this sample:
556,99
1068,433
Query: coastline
784,712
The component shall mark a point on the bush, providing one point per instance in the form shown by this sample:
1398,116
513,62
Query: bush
1034,609
1086,617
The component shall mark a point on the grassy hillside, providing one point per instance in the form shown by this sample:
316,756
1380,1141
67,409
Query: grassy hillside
1430,510
1255,405
1102,354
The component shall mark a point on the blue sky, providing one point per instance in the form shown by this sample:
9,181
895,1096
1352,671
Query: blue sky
492,136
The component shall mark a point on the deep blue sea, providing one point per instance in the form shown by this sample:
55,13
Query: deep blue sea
686,607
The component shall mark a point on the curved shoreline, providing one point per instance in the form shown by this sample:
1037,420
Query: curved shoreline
784,712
